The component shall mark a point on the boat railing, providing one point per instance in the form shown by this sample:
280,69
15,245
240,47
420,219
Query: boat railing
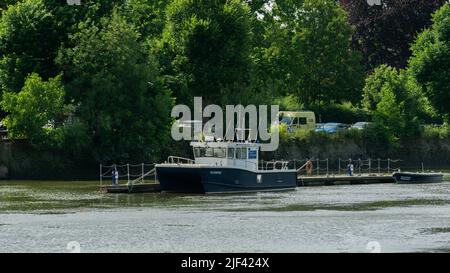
274,165
179,160
128,174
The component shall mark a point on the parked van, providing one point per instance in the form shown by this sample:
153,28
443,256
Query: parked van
294,120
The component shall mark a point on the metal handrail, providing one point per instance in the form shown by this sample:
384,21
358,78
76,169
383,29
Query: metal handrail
179,160
141,177
274,164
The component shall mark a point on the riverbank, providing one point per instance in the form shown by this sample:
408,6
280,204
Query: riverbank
433,151
20,160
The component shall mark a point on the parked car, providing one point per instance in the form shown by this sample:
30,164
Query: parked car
332,127
319,126
361,125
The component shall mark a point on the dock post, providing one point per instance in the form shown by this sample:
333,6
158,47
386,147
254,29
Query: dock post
359,167
100,174
370,164
128,173
389,165
379,169
327,166
318,169
339,166
142,176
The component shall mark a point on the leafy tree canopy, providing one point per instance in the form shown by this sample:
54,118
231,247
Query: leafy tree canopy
117,89
206,44
430,63
308,47
36,110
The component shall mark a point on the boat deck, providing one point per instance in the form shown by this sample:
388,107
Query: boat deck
302,181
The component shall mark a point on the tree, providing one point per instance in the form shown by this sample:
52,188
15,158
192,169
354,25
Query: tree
430,61
5,3
28,43
117,90
308,48
205,49
147,15
32,31
35,111
395,109
384,32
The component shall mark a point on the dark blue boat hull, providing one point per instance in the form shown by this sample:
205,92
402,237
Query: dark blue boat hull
185,179
417,178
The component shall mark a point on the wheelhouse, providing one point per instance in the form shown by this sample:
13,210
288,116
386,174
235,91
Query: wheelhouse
233,154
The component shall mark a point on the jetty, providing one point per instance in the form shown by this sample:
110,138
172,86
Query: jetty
323,180
141,178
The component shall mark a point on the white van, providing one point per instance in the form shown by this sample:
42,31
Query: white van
294,120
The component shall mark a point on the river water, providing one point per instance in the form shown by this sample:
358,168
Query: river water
75,216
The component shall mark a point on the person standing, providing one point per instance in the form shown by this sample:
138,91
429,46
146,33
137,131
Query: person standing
309,167
350,168
116,176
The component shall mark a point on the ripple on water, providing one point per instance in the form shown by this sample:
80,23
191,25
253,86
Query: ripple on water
310,219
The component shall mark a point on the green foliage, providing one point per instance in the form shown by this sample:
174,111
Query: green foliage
436,131
387,94
430,63
28,43
5,3
116,85
307,47
35,111
31,32
345,112
205,48
148,16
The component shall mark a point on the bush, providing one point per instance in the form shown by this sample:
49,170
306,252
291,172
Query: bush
436,131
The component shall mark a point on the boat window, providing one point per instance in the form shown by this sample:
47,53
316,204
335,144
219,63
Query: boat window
241,153
199,152
219,152
244,153
209,152
238,153
231,153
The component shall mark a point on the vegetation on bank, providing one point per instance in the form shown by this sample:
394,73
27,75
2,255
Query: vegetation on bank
97,82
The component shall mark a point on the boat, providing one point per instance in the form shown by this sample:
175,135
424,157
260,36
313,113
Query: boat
224,167
417,178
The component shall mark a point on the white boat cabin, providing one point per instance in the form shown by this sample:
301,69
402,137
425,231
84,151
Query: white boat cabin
232,154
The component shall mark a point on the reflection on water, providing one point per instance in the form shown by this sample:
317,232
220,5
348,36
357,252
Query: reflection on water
45,216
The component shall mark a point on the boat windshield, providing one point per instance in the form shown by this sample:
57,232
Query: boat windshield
209,152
